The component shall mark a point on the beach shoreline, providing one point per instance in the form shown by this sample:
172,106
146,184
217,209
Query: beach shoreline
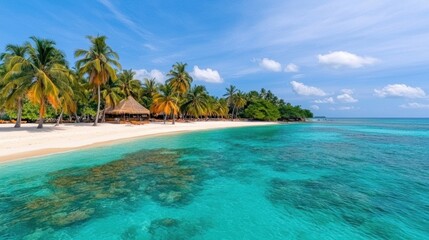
28,142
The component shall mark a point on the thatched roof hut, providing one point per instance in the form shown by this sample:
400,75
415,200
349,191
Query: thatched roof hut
128,106
129,109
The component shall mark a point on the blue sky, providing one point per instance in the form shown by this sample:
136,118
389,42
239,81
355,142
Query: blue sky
339,58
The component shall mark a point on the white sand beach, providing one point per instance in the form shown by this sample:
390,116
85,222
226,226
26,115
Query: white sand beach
28,141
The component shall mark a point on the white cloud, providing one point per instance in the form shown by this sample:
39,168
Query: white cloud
292,68
345,97
400,90
415,105
345,59
270,65
344,108
348,91
149,46
305,90
207,75
325,100
314,107
154,73
296,76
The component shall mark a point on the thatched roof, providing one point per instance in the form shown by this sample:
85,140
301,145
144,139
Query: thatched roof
128,106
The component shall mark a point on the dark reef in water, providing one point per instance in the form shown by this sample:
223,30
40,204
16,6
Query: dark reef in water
331,197
77,194
166,228
170,228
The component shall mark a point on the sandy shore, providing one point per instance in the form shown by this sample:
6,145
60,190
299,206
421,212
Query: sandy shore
28,141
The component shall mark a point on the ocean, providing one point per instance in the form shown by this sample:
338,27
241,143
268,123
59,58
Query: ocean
333,179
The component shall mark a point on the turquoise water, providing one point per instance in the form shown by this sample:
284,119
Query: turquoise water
339,179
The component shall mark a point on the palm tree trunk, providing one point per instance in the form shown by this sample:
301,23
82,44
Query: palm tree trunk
41,115
165,118
177,103
98,106
19,116
59,118
233,110
77,118
40,122
103,119
41,112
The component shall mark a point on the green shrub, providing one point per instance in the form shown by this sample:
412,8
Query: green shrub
262,110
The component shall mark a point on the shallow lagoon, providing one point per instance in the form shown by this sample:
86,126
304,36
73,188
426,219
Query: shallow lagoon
341,179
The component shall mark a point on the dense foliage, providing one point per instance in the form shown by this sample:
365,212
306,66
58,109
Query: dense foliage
264,105
290,112
36,83
30,112
262,110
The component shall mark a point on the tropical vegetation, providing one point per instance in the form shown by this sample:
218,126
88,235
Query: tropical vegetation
98,63
38,84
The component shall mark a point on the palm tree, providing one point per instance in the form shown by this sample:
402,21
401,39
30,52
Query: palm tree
17,86
252,96
129,86
211,106
80,92
196,102
165,102
14,50
221,108
239,101
45,71
230,93
2,71
112,94
67,103
150,86
263,93
180,80
98,63
149,90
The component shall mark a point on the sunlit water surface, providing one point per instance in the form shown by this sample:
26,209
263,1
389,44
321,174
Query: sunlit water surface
339,179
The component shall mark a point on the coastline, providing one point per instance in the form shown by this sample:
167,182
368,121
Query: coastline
29,142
